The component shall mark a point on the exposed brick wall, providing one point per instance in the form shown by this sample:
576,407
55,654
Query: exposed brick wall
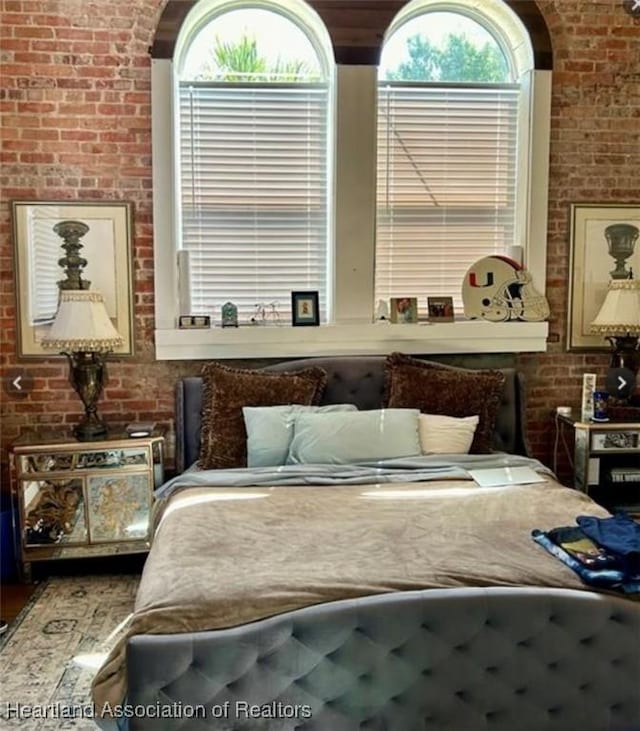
76,125
595,152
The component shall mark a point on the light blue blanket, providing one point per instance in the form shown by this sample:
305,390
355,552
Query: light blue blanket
406,469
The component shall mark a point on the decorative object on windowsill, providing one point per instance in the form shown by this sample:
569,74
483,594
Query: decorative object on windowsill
194,322
266,314
621,240
404,310
619,321
440,309
84,333
305,309
499,289
229,315
271,315
382,311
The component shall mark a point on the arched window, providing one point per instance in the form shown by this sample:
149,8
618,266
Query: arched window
452,131
273,154
253,84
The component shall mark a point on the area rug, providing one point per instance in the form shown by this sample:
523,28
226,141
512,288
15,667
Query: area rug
50,653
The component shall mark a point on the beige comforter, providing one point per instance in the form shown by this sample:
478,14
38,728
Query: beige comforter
225,556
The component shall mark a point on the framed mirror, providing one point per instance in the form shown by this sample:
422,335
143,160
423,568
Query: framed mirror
106,244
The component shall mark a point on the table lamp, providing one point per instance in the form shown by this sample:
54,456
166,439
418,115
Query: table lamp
84,333
619,321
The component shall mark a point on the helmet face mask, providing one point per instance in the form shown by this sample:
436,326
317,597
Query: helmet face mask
498,289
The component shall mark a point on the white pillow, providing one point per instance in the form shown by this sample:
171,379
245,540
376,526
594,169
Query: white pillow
446,434
343,438
270,430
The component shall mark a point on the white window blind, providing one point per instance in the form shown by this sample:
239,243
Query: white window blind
446,194
44,270
253,176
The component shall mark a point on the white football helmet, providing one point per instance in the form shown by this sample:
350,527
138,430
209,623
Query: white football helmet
498,289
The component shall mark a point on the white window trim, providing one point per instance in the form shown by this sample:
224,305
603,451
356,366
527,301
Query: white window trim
354,188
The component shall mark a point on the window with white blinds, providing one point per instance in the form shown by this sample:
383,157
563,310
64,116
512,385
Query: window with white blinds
446,194
44,270
253,176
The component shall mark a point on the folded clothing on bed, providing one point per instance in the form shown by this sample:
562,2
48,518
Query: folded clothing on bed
596,564
619,534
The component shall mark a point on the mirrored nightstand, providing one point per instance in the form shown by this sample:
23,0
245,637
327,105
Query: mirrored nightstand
80,499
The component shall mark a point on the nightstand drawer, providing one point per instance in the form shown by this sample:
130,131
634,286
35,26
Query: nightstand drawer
624,440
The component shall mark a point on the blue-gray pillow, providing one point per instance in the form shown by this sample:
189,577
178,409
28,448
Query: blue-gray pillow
343,438
270,430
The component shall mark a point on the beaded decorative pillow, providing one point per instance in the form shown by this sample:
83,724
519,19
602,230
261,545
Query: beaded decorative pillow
226,390
434,388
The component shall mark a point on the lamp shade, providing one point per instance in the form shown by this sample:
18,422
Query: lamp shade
82,324
620,311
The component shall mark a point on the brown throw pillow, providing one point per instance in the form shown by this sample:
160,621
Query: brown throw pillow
433,388
223,438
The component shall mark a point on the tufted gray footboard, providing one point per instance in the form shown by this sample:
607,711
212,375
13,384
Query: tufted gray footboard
468,659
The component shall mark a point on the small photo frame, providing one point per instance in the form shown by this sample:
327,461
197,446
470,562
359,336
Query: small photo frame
440,309
404,310
304,308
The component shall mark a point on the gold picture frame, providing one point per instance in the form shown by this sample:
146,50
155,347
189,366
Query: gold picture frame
404,310
440,309
108,248
591,266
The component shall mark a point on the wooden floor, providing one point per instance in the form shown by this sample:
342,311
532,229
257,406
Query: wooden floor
13,598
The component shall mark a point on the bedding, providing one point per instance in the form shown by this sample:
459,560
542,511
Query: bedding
446,434
293,583
270,430
256,543
343,438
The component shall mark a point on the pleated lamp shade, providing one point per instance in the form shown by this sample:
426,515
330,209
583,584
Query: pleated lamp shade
82,324
620,311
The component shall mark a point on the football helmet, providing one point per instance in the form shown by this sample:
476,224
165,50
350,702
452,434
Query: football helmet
498,289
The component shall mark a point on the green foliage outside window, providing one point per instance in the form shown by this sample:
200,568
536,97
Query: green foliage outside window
241,61
458,60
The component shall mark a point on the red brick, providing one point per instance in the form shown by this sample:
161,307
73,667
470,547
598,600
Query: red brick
82,88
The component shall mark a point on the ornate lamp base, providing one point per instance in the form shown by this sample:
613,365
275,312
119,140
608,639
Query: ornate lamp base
88,430
88,375
625,354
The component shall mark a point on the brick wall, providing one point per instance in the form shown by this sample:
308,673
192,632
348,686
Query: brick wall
76,125
595,152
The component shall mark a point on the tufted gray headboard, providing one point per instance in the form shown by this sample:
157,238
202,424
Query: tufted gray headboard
351,379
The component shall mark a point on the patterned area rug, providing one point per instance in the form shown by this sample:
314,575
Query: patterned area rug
50,653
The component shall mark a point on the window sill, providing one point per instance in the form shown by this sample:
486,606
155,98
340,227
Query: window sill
365,339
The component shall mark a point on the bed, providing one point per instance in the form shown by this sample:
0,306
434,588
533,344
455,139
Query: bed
348,602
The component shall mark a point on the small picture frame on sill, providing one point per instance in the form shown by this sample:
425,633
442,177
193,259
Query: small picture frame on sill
404,310
440,309
304,309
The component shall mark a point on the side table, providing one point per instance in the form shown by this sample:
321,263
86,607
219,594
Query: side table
79,499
